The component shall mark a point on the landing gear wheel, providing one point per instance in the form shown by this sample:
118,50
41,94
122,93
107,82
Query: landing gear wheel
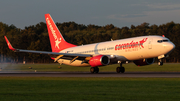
160,63
118,69
122,69
94,70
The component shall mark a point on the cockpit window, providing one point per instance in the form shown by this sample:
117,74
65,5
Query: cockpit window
162,40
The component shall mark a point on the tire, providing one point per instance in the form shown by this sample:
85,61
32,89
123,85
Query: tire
118,69
96,70
122,69
160,63
92,70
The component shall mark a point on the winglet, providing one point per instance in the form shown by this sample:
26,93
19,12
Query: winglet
9,44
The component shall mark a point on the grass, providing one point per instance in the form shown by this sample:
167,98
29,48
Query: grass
169,67
88,89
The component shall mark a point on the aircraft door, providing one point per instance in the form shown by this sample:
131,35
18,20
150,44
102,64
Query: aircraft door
150,43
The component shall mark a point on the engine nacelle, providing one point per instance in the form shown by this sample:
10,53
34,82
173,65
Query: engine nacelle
144,62
99,60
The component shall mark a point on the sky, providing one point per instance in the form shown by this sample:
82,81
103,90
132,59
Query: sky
120,13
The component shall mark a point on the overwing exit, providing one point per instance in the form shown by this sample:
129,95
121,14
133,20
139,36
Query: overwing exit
141,50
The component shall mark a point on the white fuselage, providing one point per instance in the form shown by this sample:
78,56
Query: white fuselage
123,50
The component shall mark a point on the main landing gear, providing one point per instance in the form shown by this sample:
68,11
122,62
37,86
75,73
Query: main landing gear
94,70
120,69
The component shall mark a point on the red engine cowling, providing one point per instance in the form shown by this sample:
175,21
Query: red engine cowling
100,60
144,62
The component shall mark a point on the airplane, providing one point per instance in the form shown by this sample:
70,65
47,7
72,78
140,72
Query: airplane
141,50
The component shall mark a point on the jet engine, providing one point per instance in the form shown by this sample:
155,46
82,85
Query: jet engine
99,60
143,62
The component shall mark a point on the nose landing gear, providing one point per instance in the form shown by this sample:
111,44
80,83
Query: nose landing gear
160,63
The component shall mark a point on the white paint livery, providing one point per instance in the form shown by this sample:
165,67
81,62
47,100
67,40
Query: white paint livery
151,49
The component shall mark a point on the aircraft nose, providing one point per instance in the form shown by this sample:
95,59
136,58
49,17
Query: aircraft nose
170,46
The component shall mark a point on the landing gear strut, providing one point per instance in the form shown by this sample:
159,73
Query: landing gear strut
120,69
94,70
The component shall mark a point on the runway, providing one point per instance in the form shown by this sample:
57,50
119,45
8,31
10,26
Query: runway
87,74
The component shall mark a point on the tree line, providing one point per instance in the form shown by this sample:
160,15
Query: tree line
35,37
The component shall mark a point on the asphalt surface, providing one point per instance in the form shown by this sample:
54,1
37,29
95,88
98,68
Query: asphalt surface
87,74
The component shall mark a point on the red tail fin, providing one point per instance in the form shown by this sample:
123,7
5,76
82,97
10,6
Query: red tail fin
58,43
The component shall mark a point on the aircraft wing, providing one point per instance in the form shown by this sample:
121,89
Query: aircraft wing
45,52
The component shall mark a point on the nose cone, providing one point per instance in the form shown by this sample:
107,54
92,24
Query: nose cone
169,46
